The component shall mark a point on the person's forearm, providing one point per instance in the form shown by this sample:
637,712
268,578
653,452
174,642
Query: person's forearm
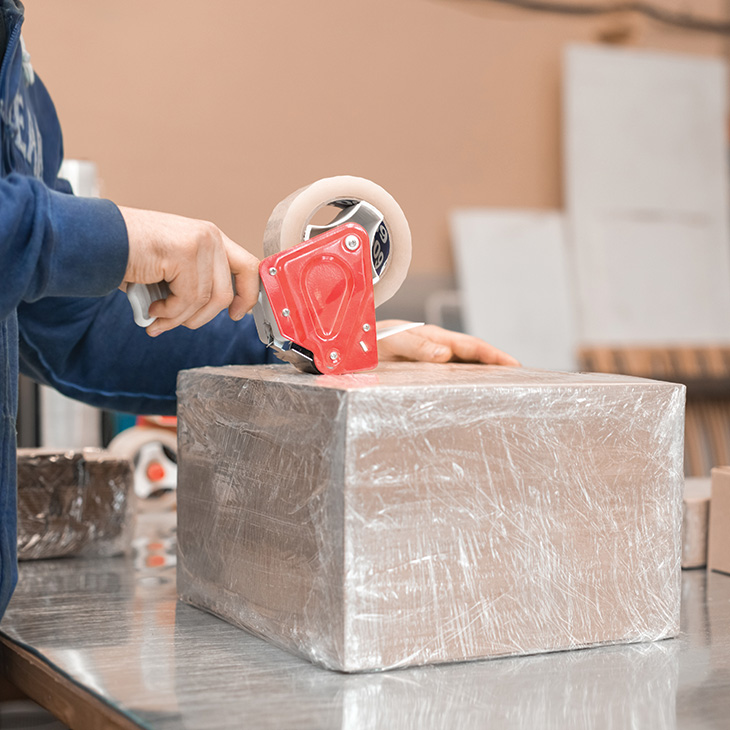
53,244
91,350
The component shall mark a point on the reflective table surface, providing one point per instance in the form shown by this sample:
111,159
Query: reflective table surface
114,627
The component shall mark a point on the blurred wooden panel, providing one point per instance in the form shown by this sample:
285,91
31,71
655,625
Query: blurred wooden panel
706,373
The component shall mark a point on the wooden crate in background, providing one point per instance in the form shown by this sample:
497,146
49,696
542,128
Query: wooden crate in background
706,373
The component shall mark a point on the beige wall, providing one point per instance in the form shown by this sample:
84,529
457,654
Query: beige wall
219,109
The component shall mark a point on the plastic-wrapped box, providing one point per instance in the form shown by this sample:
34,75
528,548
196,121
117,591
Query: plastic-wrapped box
431,513
74,503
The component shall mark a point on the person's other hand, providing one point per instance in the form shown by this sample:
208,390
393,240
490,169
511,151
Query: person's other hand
435,344
197,260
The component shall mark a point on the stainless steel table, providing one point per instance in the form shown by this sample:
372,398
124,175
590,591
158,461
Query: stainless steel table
104,643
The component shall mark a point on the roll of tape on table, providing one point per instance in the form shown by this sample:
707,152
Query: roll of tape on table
289,220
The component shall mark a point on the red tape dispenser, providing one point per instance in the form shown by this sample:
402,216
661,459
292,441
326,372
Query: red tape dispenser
320,284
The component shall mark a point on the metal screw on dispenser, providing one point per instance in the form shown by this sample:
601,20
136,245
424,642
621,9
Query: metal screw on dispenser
352,242
366,327
272,271
285,312
334,355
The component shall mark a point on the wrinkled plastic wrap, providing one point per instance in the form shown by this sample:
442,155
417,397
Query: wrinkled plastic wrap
74,503
430,513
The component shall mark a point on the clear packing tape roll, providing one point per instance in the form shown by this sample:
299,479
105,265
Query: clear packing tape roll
289,220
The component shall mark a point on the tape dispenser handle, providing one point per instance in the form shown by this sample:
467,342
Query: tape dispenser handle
141,297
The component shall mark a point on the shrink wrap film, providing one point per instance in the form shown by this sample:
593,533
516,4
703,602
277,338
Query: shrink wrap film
431,513
74,503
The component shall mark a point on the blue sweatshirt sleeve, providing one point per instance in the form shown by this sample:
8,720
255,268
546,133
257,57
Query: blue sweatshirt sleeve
54,245
91,350
64,257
